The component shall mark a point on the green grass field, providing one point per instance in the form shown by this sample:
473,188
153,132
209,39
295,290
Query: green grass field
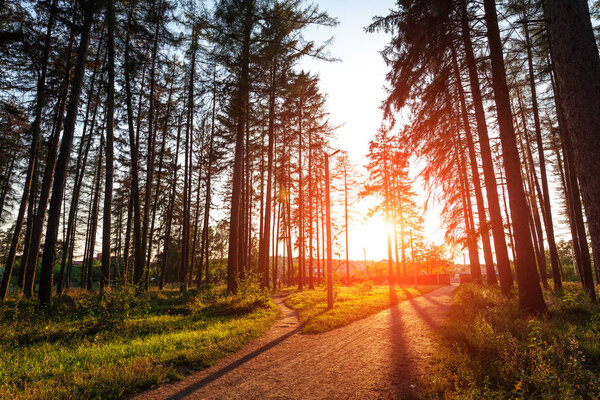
87,348
351,304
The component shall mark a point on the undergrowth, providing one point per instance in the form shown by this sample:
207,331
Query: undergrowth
86,347
489,350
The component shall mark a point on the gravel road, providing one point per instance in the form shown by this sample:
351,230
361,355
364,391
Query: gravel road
380,357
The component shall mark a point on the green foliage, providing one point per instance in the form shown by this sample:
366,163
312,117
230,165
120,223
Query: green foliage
250,294
87,346
114,307
351,304
365,287
488,349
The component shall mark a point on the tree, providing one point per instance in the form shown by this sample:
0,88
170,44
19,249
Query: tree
577,67
35,130
46,274
530,294
110,111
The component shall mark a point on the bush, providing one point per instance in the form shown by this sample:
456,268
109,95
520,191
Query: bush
489,350
365,287
115,306
250,296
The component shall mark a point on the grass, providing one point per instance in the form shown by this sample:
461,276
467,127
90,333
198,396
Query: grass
488,349
87,348
350,304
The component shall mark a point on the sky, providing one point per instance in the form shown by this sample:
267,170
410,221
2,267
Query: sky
355,88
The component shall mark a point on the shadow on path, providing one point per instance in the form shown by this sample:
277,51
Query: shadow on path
402,370
217,374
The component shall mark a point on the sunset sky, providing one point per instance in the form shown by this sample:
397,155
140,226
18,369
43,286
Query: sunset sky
355,88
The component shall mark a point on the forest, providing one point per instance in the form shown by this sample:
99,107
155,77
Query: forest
173,184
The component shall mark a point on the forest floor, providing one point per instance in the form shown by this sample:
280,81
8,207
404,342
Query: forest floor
384,356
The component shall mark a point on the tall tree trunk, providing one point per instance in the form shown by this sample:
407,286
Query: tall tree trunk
468,215
205,242
169,220
94,217
324,232
276,262
577,69
86,255
317,219
158,11
127,243
266,234
240,108
31,210
82,155
311,284
504,271
388,201
108,178
134,155
301,271
545,195
537,236
62,162
573,195
483,225
395,217
33,151
197,217
165,130
346,228
530,293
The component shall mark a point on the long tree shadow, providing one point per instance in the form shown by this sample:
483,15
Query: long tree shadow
422,312
402,373
225,370
406,376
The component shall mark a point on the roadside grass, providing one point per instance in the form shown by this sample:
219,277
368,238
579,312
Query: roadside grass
87,348
351,303
488,350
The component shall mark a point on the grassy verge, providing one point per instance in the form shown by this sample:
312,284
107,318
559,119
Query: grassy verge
87,348
351,304
488,350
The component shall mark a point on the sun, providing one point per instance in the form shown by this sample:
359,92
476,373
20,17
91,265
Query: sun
370,237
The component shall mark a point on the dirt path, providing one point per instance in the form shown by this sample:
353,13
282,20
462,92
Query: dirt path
379,357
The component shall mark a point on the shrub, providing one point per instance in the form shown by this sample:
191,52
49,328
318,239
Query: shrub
115,306
250,296
365,287
489,350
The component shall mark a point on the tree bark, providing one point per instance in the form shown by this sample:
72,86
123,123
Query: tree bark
499,236
240,108
169,220
545,195
483,225
108,178
134,154
530,293
266,233
577,68
60,173
33,152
